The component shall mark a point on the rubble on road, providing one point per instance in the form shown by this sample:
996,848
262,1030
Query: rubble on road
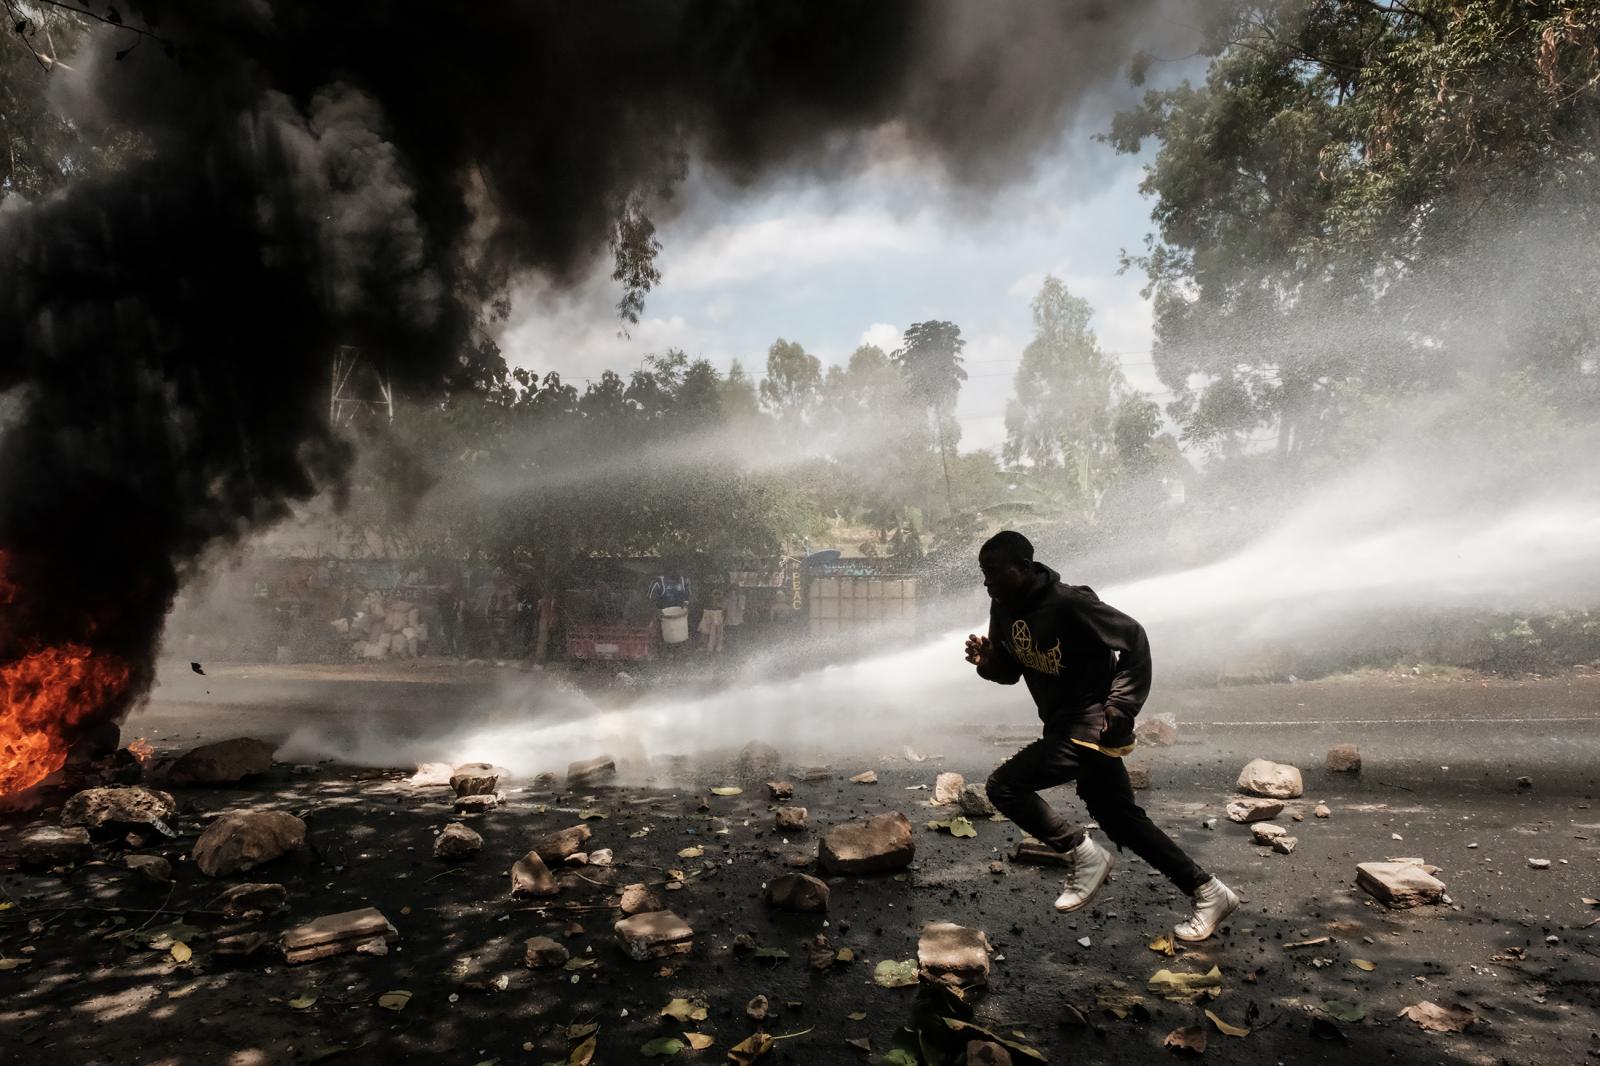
790,819
478,803
1539,864
242,840
151,868
1267,832
801,893
1322,811
1263,777
951,954
554,848
225,762
591,773
947,789
250,900
1160,730
639,899
975,802
601,857
475,779
1036,853
780,790
813,774
1245,811
114,811
654,935
1344,759
880,844
456,842
866,777
531,877
365,930
540,952
1285,845
1139,777
1399,885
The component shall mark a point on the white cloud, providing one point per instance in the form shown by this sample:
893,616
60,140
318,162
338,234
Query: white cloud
882,334
730,254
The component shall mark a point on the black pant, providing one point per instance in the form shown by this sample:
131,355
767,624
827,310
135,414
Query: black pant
1103,786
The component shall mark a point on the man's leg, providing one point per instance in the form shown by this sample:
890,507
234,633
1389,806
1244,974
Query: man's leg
1015,785
1104,788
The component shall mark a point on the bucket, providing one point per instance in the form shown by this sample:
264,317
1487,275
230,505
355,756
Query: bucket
674,624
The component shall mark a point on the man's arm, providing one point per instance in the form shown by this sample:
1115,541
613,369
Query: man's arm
995,663
1130,684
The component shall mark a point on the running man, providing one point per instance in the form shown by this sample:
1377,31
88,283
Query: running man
1088,669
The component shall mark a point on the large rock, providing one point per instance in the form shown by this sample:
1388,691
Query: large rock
953,955
1344,759
591,773
240,900
1276,780
1399,884
554,848
1246,811
531,877
244,840
365,930
478,803
877,845
151,868
975,802
639,899
801,893
475,779
947,789
654,935
222,763
456,842
1267,832
113,811
44,848
540,952
790,819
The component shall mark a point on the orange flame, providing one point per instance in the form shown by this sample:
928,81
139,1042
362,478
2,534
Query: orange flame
141,749
43,695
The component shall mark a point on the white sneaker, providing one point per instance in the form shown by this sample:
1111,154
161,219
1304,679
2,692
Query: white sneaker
1213,902
1090,866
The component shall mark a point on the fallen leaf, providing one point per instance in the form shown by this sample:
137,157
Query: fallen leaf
578,963
6,905
750,1049
1190,1040
583,1054
864,1043
1437,1019
898,1057
396,1000
181,952
1181,987
1227,1028
699,1041
771,953
7,965
956,827
593,814
844,955
1588,901
1121,1004
727,790
303,1001
1011,1045
578,1032
1072,1016
891,974
1343,1011
640,835
1363,964
662,1046
858,1016
684,1010
691,853
1162,945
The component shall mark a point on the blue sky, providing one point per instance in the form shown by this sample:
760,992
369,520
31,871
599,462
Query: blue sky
832,263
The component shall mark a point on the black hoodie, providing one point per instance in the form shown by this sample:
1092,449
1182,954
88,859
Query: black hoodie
1087,664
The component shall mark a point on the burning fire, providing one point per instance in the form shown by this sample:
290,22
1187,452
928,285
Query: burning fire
44,695
141,749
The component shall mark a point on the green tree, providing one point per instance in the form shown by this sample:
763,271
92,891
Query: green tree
930,359
793,381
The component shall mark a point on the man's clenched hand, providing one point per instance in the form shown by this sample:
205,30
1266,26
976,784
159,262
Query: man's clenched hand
978,650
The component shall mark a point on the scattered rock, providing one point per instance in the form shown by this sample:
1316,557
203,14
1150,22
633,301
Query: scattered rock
1524,783
1285,845
1263,777
113,811
591,773
365,930
577,858
638,899
1539,864
243,840
790,819
241,945
801,893
815,773
1266,832
757,1008
1399,884
1322,811
1298,817
601,857
531,877
996,866
947,789
151,868
545,782
431,775
554,848
1344,759
757,761
1139,777
953,955
880,844
456,842
975,802
540,952
781,790
237,901
654,935
1035,853
475,779
1160,730
866,777
1245,811
987,1053
743,943
222,763
478,803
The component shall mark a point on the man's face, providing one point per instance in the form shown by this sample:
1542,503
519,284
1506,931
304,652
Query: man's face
1004,579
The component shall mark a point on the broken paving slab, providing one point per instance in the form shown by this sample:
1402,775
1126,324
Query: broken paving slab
54,846
639,899
531,877
1245,811
953,954
1266,832
1399,885
798,893
113,811
554,848
475,779
1275,780
334,934
877,845
947,789
1285,845
243,840
654,935
478,803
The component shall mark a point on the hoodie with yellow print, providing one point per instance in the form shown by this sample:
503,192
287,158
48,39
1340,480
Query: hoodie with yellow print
1086,664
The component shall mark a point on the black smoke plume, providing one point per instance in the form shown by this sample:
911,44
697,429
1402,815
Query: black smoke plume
374,172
